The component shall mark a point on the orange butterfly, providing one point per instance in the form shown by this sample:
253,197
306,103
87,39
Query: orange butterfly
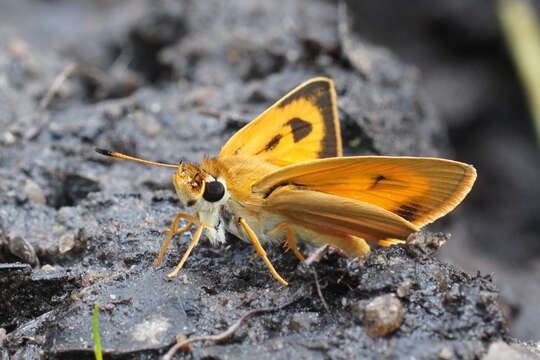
281,178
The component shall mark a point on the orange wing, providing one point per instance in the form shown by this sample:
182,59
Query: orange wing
419,190
301,126
343,220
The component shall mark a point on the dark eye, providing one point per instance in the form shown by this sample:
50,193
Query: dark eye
214,191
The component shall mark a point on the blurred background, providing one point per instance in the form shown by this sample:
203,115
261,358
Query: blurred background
463,62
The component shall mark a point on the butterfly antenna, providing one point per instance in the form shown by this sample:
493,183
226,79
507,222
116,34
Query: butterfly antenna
127,157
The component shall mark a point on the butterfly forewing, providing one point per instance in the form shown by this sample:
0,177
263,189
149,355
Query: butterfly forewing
418,190
302,126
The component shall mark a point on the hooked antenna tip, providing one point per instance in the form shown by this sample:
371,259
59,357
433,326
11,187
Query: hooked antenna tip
103,152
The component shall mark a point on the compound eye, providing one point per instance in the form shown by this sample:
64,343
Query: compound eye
214,191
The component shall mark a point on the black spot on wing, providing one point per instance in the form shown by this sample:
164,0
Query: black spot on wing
271,144
277,186
408,212
300,128
319,94
376,181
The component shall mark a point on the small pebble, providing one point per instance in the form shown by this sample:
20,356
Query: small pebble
66,243
424,244
33,192
404,289
22,249
149,220
383,315
446,353
277,345
501,351
8,138
48,268
303,321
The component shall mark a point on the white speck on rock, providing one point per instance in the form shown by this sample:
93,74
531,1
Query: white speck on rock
151,330
8,138
3,333
66,243
33,192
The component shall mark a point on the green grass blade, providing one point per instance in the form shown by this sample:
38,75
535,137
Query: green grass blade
97,343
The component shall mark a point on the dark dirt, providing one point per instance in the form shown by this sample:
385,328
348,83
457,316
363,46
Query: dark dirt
469,75
169,81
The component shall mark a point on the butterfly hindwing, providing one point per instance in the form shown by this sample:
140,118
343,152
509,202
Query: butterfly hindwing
301,126
338,217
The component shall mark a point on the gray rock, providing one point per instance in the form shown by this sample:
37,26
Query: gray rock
383,315
203,74
501,350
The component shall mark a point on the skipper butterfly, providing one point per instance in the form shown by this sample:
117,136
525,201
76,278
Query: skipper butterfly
282,179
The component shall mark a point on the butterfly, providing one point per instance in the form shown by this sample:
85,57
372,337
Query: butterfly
282,179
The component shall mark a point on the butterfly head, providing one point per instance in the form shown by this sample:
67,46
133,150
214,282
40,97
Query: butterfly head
193,186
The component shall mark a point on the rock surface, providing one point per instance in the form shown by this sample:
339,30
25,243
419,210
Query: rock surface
179,80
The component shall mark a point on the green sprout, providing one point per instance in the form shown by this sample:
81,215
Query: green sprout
97,343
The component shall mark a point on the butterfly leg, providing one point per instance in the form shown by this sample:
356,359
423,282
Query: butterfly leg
256,243
194,242
290,240
174,231
179,231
